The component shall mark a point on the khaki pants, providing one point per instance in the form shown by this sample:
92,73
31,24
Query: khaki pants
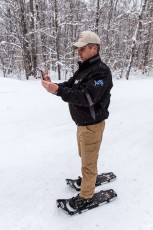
89,140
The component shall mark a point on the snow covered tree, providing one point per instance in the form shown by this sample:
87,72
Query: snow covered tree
135,37
40,33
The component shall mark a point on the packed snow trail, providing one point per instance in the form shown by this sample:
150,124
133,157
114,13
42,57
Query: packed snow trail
38,150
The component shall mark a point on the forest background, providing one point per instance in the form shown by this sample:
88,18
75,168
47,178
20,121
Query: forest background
40,34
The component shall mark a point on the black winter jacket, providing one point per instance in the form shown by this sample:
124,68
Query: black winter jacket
88,92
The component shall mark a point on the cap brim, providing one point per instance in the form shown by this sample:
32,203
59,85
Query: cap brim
80,44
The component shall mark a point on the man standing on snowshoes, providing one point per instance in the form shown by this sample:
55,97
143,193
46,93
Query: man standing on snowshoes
88,96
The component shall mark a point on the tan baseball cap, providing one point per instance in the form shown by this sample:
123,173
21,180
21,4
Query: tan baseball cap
87,37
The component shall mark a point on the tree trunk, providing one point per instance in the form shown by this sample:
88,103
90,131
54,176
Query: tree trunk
110,14
25,44
97,17
135,39
33,39
57,39
146,50
147,44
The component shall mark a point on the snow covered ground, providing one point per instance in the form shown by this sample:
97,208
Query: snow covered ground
38,150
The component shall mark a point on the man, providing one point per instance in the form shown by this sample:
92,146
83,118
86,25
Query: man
88,96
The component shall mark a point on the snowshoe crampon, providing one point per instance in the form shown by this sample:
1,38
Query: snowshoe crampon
99,198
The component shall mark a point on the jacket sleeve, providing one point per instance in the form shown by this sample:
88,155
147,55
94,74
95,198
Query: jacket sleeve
66,83
89,92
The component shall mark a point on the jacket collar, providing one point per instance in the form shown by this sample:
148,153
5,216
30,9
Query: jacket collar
89,61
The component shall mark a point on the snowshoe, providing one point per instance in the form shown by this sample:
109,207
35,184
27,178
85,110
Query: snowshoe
77,205
101,179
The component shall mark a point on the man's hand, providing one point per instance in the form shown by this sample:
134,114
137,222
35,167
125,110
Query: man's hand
50,86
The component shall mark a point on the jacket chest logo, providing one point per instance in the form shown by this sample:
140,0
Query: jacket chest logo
77,81
99,82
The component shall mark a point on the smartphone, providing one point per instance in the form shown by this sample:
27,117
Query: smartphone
41,74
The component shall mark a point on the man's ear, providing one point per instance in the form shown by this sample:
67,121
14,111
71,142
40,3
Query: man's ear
95,48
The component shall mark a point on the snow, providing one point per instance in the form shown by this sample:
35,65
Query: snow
3,42
38,150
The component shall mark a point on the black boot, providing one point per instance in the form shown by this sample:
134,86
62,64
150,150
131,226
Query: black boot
77,183
79,202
